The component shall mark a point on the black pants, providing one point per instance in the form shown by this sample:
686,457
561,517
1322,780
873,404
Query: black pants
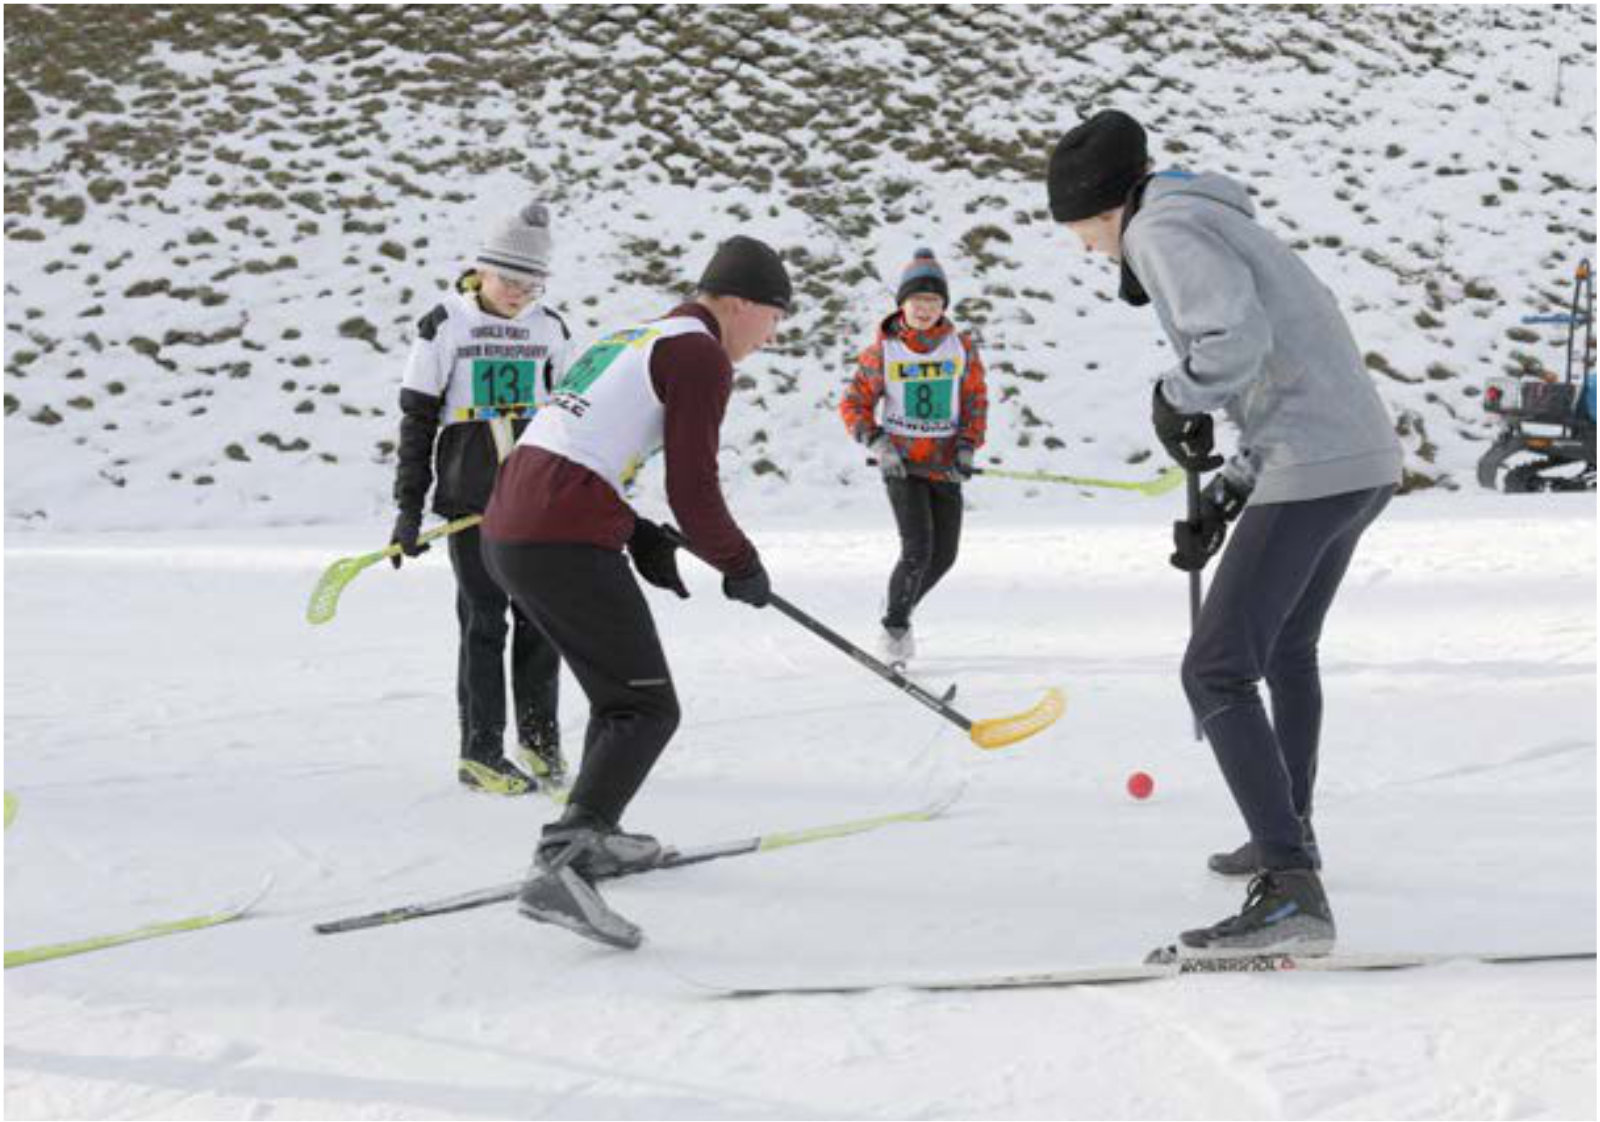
481,608
929,517
587,601
1262,619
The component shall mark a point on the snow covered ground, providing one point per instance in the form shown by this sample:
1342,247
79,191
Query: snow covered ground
176,731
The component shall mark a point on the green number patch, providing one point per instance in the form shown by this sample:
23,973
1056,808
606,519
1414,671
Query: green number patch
590,365
498,382
594,361
929,388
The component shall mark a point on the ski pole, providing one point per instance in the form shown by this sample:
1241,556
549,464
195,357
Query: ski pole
1194,576
990,733
325,596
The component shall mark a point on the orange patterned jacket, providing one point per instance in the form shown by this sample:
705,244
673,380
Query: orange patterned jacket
934,457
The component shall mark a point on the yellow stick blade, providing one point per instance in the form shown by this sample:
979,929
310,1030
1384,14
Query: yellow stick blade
997,732
325,597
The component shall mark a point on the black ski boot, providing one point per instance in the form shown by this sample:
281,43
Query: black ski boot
539,748
1243,861
1285,912
610,852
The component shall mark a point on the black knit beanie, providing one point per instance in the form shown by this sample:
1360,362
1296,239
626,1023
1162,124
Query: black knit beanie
750,268
924,274
1095,165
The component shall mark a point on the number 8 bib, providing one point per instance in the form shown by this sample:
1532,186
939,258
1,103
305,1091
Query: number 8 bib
922,391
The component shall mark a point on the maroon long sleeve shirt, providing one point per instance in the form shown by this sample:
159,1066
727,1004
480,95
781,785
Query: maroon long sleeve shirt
540,496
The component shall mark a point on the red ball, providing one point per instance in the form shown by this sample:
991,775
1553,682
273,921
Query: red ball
1140,785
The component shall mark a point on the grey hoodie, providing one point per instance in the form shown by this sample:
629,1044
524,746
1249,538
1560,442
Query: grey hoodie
1259,336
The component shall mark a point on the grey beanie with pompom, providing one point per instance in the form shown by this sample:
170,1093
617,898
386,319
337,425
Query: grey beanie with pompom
519,246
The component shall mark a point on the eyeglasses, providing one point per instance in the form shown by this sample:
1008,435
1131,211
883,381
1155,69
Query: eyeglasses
532,287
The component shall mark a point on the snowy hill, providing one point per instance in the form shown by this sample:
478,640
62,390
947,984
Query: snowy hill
222,222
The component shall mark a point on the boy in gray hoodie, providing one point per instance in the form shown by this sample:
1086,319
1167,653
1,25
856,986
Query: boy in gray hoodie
1259,337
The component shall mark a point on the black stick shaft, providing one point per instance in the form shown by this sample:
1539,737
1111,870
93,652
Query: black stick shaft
887,673
822,631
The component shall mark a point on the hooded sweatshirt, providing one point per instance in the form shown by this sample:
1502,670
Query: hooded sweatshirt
1260,337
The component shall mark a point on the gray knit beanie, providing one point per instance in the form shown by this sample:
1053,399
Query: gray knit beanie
519,246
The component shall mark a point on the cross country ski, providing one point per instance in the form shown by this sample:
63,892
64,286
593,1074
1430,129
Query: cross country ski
1158,966
50,951
671,859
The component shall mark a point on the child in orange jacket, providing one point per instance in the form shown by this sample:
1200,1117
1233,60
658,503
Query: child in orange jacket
929,380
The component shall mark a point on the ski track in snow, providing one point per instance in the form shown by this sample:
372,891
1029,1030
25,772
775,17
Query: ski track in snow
1457,812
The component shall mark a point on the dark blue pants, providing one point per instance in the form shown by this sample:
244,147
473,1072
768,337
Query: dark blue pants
1262,619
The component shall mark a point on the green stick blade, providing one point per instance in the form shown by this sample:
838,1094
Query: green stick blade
325,596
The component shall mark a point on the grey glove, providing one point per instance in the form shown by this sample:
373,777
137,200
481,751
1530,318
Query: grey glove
964,465
752,586
889,461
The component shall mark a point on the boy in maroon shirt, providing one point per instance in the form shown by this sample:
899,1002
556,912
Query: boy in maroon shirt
554,534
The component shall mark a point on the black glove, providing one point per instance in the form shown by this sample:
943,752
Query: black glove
655,555
749,587
1197,542
1187,437
406,529
964,465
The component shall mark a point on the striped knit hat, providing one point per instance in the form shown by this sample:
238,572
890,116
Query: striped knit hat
519,246
923,275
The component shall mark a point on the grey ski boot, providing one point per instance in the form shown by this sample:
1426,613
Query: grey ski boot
1285,912
610,852
556,893
1243,862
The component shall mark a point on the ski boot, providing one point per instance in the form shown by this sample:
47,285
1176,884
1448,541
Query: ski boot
1243,862
1285,912
539,749
494,777
483,768
555,893
897,646
560,887
609,853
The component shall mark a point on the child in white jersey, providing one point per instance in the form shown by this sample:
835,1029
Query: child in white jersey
482,362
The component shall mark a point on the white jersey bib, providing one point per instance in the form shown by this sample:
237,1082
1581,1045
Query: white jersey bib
605,414
922,392
483,366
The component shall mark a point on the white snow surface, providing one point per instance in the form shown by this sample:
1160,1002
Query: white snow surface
175,732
